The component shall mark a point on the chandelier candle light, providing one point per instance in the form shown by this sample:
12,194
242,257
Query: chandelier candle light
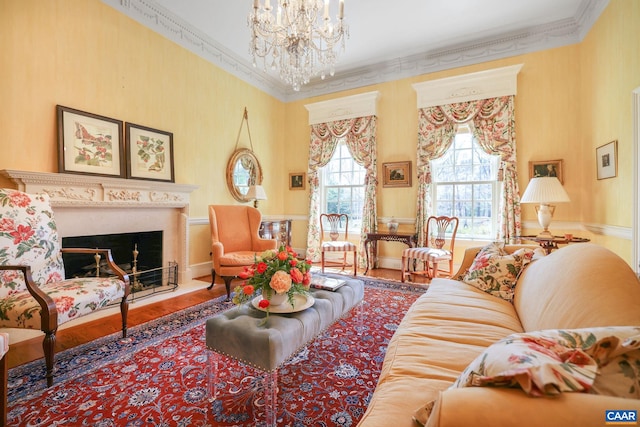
299,38
545,190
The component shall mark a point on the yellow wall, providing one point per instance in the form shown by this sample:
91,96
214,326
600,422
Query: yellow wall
84,54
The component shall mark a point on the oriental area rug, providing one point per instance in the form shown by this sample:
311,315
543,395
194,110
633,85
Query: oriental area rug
157,375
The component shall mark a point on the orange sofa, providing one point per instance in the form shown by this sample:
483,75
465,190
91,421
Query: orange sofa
578,286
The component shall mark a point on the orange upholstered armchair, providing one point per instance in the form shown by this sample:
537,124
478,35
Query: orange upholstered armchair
235,241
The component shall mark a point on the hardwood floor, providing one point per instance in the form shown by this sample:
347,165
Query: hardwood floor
31,349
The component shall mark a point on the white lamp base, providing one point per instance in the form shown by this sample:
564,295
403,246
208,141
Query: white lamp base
545,214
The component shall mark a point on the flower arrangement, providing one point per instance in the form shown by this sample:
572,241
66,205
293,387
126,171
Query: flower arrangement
273,273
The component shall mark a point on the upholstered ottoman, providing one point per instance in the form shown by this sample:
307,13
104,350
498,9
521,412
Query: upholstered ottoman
240,333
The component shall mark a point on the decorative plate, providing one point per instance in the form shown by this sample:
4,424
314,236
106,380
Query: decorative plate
300,302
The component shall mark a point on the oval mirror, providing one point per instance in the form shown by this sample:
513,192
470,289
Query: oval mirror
243,171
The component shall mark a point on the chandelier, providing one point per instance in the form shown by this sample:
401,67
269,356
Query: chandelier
298,38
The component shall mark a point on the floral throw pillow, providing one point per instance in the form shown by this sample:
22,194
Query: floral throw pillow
496,272
602,360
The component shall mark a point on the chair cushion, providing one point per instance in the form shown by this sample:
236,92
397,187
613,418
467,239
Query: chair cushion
238,259
426,254
28,236
338,246
73,298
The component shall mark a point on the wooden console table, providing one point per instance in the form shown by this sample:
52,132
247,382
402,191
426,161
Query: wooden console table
551,243
279,230
373,238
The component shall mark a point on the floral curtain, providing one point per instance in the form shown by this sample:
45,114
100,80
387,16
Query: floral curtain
360,137
493,123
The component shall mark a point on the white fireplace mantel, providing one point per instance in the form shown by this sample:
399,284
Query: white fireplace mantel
92,205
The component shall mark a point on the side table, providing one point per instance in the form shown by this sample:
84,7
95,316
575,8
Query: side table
551,243
373,238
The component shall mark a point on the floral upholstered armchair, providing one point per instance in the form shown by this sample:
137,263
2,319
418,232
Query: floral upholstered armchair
33,291
235,241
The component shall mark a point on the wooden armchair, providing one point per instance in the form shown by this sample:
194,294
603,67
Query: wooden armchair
440,230
235,241
338,240
33,290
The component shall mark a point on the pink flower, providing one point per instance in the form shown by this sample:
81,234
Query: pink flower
19,199
296,275
7,224
64,304
22,233
306,280
280,282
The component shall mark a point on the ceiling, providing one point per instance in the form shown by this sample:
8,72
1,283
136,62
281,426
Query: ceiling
388,39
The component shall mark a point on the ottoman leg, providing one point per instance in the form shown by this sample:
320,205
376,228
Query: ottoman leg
212,374
270,397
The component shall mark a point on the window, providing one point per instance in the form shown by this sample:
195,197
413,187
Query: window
466,186
342,187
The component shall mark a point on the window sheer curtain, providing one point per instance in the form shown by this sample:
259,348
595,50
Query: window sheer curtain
493,124
360,136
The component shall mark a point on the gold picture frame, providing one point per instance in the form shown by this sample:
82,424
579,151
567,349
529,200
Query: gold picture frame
297,180
607,160
546,168
396,174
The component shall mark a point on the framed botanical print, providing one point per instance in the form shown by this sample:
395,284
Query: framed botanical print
89,143
149,153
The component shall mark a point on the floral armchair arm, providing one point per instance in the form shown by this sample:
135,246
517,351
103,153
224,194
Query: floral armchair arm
49,314
122,275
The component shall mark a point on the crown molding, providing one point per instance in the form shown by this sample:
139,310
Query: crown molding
348,107
536,38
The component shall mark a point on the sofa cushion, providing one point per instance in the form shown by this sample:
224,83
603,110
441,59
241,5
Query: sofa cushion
496,272
578,286
443,331
553,361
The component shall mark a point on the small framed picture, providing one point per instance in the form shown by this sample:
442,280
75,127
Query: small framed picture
546,168
149,153
397,174
89,143
297,180
607,160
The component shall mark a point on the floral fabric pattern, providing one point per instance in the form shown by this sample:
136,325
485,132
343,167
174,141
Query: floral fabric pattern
360,135
28,236
496,272
493,124
544,363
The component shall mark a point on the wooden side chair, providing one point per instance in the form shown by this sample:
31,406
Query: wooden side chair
235,241
33,290
435,252
338,241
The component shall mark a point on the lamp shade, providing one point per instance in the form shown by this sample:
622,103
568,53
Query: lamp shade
256,192
545,190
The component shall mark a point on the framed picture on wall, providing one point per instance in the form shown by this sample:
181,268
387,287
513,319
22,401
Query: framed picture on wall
546,168
149,153
607,160
89,143
297,181
397,174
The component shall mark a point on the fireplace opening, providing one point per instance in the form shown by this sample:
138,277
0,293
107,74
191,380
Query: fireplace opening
139,254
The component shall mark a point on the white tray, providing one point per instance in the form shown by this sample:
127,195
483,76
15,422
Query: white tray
300,301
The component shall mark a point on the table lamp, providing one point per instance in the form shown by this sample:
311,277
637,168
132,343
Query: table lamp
545,190
255,193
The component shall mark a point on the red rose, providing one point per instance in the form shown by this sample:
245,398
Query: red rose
306,280
248,290
247,273
293,262
283,255
296,275
262,267
264,303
